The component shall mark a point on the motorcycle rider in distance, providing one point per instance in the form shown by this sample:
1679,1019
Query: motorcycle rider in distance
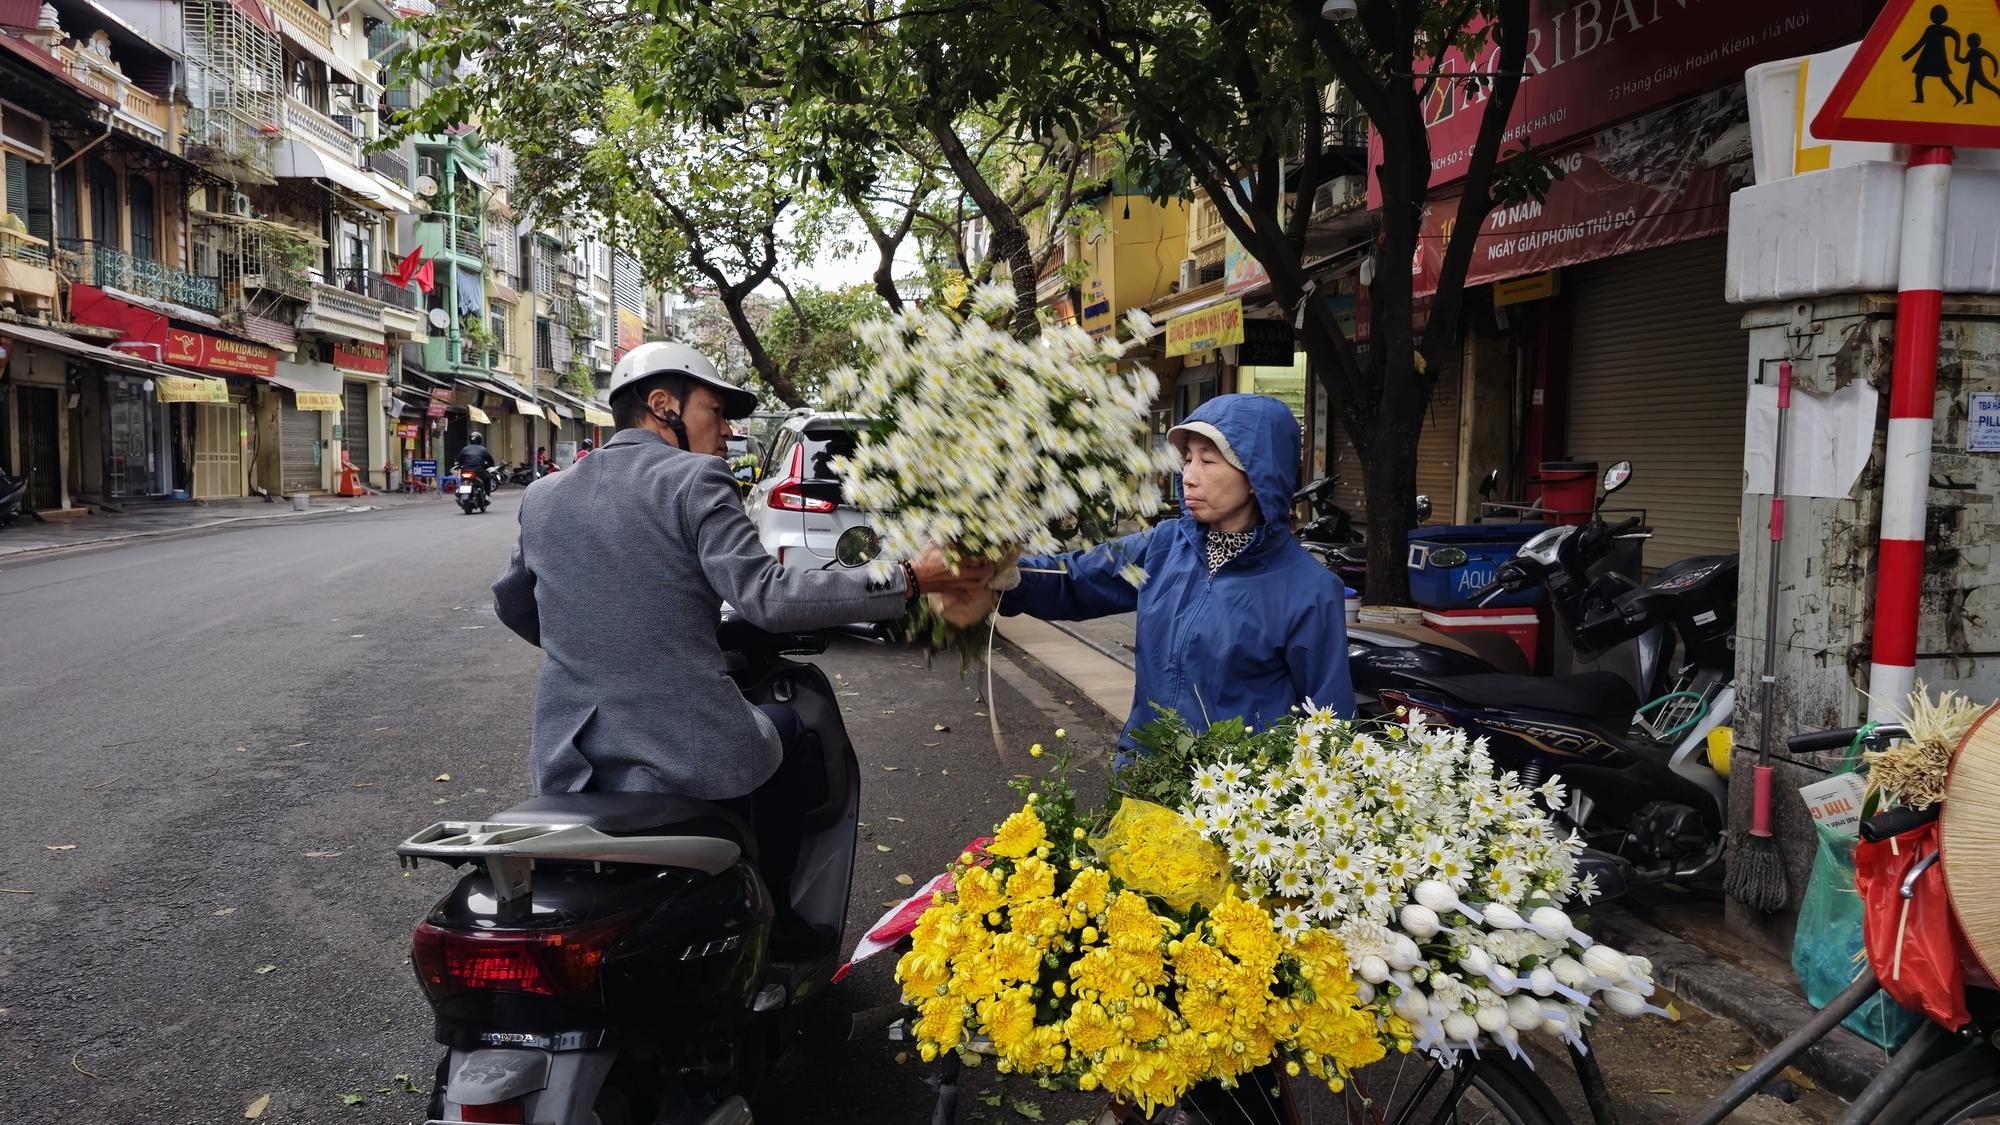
583,450
619,576
475,456
544,464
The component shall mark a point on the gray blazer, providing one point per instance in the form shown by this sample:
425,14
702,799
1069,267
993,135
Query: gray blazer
622,566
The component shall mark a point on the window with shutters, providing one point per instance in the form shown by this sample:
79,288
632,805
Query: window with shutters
28,194
104,225
139,195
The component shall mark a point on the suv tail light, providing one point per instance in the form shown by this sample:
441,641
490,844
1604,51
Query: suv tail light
790,494
507,1113
562,962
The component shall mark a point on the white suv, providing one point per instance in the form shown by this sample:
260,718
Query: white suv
797,504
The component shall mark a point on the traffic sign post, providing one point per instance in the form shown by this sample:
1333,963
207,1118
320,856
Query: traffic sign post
1916,80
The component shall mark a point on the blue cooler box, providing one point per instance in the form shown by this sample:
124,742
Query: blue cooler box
1486,546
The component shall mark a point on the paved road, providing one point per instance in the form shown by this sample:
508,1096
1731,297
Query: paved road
211,745
226,734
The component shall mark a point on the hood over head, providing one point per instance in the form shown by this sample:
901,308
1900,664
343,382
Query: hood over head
1257,434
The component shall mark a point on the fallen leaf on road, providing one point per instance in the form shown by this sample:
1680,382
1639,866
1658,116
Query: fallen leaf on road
355,636
403,1080
890,769
944,773
992,1098
80,1069
940,727
882,847
321,855
1068,702
364,785
103,784
899,820
379,730
902,1057
1026,1109
892,902
257,1108
439,801
1662,1090
442,777
906,881
889,711
932,745
298,745
266,970
1797,1078
60,847
470,627
225,912
14,891
353,1099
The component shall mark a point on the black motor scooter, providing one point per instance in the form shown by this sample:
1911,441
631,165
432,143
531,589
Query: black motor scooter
608,958
473,493
1632,751
13,498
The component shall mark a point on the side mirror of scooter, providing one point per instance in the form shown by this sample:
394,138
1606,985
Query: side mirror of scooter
1489,484
1423,508
857,546
1447,558
1617,476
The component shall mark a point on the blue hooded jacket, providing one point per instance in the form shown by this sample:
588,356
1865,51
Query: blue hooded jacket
1267,632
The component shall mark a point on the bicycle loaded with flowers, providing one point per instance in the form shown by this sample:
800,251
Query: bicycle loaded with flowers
1313,896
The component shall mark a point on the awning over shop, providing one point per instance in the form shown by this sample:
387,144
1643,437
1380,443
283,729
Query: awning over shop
596,417
521,404
554,403
56,341
179,346
478,415
315,386
300,161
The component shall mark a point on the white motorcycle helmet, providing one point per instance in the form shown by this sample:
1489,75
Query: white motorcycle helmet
666,357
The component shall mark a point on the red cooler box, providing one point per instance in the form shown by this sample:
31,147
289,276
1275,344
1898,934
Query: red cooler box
1522,626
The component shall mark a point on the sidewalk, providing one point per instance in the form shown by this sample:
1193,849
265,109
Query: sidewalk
151,520
1694,957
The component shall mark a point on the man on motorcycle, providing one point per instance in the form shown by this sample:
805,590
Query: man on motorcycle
619,575
475,456
584,450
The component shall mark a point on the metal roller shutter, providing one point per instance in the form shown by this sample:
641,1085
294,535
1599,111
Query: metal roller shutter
1657,378
299,442
354,427
1437,458
218,450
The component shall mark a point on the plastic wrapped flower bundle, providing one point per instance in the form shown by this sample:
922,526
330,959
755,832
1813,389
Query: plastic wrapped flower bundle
1444,883
1127,963
993,446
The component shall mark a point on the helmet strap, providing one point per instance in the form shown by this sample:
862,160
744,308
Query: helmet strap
672,421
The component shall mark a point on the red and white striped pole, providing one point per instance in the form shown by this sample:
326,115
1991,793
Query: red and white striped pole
1906,471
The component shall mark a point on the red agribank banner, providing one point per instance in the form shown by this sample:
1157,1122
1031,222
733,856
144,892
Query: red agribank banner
1592,62
1664,177
188,348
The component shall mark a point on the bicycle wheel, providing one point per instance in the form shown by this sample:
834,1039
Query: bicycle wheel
1403,1090
1960,1090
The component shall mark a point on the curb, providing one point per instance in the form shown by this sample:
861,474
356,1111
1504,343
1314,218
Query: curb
1842,1063
7,556
1113,652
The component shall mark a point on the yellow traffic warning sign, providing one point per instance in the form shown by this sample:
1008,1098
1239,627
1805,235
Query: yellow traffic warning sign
1927,74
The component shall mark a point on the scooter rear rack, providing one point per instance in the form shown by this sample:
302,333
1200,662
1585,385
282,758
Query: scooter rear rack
509,851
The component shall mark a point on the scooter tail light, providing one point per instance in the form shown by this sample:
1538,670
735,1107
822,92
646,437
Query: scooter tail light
508,1113
565,962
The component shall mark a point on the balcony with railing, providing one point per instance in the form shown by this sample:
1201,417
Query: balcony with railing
303,122
24,266
139,113
403,312
309,21
84,261
334,311
467,240
390,165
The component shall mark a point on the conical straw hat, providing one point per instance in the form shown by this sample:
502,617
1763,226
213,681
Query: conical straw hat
1969,838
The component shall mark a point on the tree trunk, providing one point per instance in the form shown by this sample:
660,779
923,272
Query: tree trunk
1389,480
1011,243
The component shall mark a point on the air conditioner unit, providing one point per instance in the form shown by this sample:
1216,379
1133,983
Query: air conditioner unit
236,203
1337,192
1190,272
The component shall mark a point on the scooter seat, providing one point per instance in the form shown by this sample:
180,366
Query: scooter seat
633,814
1599,697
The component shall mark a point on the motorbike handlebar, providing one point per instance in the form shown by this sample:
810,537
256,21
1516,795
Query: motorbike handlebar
1839,738
1895,822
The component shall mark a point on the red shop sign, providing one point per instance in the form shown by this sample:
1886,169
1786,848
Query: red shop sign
1631,187
368,359
188,348
1593,62
439,401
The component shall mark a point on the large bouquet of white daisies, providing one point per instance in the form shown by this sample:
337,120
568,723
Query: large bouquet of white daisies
992,446
1445,883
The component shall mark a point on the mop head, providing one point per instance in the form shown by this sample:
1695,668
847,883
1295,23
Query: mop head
1756,875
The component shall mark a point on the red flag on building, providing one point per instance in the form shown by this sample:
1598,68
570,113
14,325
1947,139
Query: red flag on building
409,270
425,276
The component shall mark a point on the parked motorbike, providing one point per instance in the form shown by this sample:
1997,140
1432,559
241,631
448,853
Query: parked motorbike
13,498
523,474
1331,535
608,957
1640,785
473,494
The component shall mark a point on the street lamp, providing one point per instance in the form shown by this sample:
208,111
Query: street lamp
1338,9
